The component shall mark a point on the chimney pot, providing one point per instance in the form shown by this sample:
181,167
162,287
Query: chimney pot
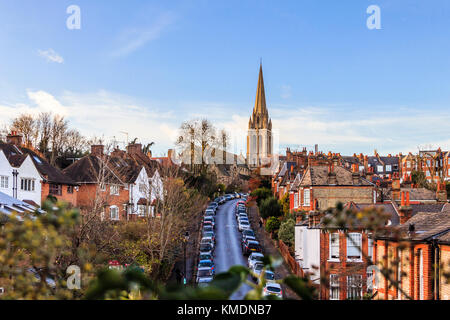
97,150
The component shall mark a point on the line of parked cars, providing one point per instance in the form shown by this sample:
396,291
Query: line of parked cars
205,267
253,250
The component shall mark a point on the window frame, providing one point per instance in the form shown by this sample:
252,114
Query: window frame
351,245
115,208
27,184
114,190
334,284
334,246
55,189
306,200
295,200
4,182
354,282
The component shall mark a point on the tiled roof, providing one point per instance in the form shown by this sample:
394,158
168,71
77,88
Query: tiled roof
88,170
426,225
318,176
17,155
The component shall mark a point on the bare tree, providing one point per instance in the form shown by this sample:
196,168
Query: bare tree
57,137
27,126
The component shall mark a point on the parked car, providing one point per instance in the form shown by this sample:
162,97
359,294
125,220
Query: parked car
273,289
209,218
242,216
227,197
206,264
209,234
204,275
208,223
248,232
251,246
206,248
254,257
208,228
209,213
256,270
245,238
207,240
205,256
269,276
242,225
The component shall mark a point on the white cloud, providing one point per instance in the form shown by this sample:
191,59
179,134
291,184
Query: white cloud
102,114
133,38
51,56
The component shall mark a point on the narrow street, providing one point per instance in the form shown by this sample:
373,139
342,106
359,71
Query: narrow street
228,250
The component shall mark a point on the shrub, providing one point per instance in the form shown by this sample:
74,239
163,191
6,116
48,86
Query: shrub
287,231
269,208
261,194
272,224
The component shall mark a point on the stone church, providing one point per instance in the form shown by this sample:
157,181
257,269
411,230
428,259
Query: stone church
259,137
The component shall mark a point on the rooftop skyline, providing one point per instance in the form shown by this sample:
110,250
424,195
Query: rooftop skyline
144,67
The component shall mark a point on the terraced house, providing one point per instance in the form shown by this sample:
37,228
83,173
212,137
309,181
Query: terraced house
418,253
323,186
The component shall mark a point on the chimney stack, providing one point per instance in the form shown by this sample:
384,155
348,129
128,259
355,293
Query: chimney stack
331,175
405,211
14,138
134,148
97,150
314,219
441,193
395,187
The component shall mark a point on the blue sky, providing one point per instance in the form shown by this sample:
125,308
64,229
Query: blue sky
145,66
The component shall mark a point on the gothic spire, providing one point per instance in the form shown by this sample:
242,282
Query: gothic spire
260,102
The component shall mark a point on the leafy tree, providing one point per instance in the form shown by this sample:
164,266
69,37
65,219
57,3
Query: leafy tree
272,224
285,204
31,247
287,232
270,207
261,194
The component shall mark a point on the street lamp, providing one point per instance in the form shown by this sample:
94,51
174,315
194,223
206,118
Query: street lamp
186,239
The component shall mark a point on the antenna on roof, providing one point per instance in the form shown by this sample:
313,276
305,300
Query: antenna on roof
126,133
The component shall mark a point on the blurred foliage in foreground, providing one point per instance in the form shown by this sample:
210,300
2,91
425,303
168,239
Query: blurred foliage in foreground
32,249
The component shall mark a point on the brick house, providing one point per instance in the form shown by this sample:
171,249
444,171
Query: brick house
433,163
323,186
25,174
419,254
326,251
123,185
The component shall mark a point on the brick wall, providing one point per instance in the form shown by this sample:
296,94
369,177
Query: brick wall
87,193
65,195
343,267
387,254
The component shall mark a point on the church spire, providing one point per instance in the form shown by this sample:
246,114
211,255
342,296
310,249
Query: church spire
260,102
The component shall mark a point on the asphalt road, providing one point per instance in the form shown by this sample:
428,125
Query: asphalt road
228,250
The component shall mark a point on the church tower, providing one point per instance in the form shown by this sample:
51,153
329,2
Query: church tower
259,137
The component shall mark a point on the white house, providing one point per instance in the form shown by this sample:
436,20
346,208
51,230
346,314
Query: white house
19,177
307,250
143,191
